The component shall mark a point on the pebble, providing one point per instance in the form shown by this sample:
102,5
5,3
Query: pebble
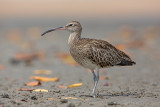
5,95
71,105
112,103
63,100
33,98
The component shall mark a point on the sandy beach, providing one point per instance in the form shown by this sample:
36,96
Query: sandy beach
136,86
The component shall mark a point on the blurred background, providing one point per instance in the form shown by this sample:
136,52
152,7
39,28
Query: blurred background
131,23
131,26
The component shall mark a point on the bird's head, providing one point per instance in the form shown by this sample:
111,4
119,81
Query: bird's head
73,26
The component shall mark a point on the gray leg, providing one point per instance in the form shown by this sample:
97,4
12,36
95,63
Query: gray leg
95,78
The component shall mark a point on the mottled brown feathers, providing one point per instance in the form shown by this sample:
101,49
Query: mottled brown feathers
100,53
92,53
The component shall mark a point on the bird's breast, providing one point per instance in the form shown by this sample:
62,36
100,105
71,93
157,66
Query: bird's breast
81,59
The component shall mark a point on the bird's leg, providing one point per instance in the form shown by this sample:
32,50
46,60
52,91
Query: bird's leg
95,78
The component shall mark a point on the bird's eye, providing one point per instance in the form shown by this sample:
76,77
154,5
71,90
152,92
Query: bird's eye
70,25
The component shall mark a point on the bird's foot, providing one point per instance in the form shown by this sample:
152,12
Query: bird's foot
94,95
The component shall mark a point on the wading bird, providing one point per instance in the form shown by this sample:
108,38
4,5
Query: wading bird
91,53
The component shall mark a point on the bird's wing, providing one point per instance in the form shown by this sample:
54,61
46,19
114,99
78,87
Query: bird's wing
104,54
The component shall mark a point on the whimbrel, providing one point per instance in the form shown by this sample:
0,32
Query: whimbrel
91,53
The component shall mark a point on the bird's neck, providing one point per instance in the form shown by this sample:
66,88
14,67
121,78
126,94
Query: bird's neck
74,37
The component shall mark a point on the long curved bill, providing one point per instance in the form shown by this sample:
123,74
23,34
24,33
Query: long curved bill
58,28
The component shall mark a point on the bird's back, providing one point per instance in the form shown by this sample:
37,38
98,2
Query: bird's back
100,53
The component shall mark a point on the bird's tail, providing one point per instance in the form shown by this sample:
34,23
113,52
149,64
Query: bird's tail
126,63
